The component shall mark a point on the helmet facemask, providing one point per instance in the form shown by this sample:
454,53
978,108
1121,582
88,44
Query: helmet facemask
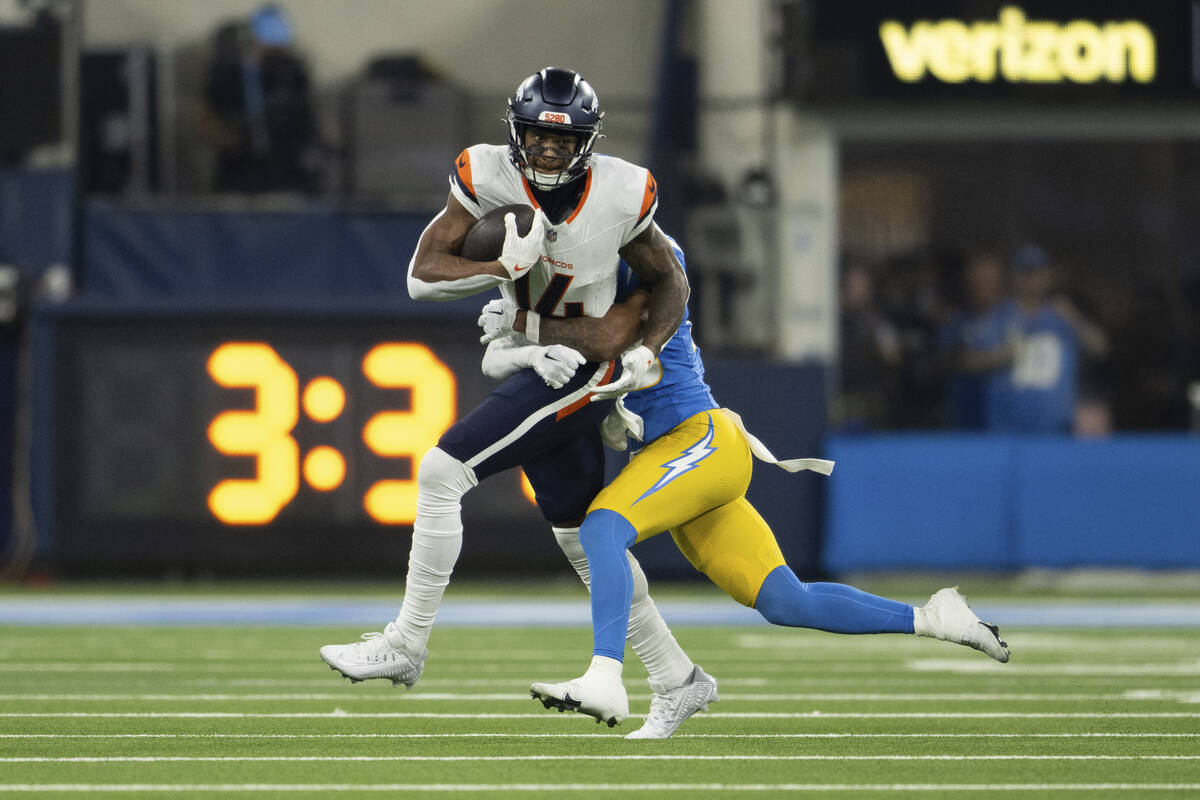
585,139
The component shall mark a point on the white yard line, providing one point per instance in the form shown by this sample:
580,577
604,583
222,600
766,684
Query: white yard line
609,736
355,788
407,697
340,714
975,666
744,663
584,757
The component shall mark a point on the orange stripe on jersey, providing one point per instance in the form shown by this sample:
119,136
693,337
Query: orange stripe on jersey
587,187
529,192
648,197
587,398
463,173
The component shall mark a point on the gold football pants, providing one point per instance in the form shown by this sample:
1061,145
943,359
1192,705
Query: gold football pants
692,482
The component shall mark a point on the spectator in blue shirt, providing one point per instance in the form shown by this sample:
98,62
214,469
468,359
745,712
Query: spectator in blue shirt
974,346
1047,336
1015,361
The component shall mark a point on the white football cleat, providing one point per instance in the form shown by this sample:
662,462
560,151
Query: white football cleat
668,711
375,657
589,694
948,617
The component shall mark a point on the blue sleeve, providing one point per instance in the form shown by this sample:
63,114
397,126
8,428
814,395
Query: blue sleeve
628,281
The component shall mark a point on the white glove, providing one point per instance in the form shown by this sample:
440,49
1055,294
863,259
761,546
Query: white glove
635,366
496,319
522,252
613,432
556,364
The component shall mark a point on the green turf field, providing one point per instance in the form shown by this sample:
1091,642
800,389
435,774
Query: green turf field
152,711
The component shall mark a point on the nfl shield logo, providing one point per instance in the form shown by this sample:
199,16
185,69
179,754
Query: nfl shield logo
551,235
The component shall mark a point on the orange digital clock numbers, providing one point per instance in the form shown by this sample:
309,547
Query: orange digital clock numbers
406,433
265,431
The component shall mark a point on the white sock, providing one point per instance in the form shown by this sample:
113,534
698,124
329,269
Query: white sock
666,663
652,641
604,669
920,623
430,563
436,543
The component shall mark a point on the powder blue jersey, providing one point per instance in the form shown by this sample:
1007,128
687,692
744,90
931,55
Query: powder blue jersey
1039,395
1036,393
973,399
682,391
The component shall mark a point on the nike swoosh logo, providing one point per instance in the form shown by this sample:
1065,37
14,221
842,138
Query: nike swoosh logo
571,701
462,162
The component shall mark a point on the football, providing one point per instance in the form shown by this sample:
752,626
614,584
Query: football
485,239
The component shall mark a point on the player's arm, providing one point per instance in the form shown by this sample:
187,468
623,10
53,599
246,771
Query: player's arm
651,257
437,272
1091,335
597,338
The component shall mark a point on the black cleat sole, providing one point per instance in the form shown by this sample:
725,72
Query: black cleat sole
567,705
995,632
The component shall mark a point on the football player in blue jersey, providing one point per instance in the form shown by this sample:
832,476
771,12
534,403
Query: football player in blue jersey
592,211
690,478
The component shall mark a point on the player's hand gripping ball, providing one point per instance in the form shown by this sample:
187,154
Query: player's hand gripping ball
514,235
522,252
485,239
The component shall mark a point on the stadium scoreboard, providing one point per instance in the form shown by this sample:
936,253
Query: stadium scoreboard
219,434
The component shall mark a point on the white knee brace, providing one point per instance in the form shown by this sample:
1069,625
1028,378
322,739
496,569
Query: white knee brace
442,480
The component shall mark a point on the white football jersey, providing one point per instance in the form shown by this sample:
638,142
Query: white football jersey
577,275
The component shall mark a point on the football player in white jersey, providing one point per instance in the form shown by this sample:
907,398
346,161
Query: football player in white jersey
592,211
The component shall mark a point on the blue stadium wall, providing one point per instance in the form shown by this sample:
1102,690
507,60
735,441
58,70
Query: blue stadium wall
1004,502
122,465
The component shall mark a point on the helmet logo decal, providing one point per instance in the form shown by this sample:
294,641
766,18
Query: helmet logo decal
554,116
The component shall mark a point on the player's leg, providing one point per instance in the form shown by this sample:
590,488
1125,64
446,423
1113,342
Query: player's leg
702,463
736,548
398,653
565,481
520,417
680,687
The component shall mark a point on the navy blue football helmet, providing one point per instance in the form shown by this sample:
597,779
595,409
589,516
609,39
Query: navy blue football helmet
558,100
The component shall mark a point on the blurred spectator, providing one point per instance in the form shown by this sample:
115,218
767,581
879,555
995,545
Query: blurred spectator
914,306
973,345
870,354
1045,334
257,109
1149,356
